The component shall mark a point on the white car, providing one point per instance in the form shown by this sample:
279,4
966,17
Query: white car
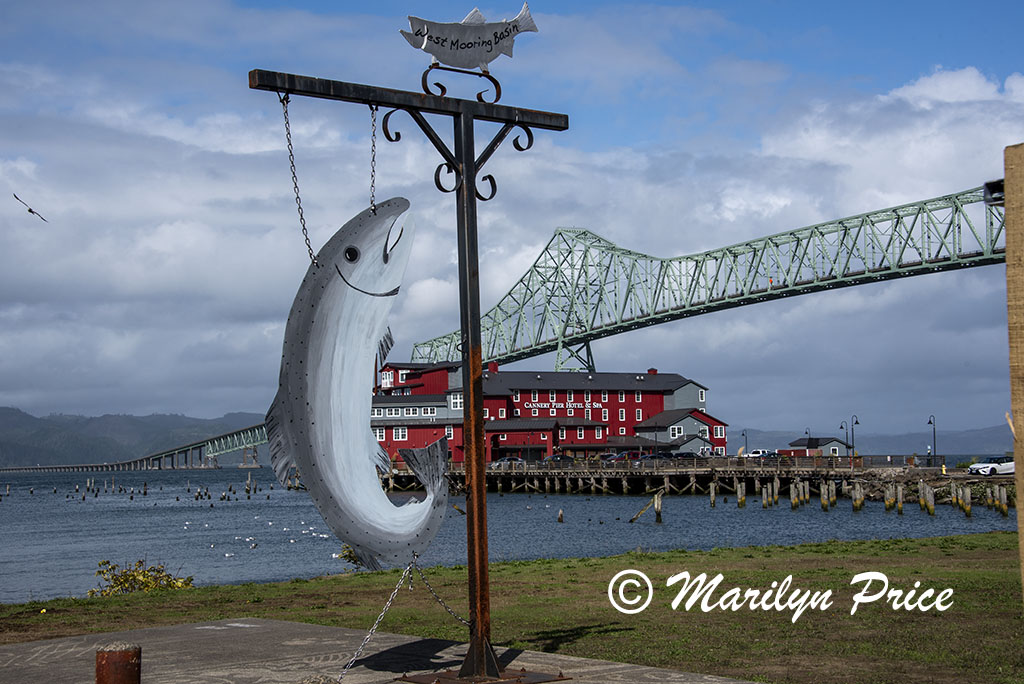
993,465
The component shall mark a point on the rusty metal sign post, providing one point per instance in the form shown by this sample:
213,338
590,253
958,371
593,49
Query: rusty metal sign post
464,164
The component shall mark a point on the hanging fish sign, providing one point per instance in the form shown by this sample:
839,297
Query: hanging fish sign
473,42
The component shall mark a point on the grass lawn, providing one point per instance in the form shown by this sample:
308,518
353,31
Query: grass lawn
562,606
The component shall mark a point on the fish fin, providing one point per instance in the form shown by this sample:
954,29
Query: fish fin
384,347
526,22
381,460
506,47
280,457
474,17
369,561
429,465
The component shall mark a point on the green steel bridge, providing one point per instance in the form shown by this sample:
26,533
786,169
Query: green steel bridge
582,287
198,455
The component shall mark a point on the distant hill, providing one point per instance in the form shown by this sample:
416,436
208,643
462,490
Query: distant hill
991,440
60,439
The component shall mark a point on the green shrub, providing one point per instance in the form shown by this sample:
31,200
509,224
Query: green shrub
136,578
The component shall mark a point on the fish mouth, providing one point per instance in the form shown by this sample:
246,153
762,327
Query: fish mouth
389,293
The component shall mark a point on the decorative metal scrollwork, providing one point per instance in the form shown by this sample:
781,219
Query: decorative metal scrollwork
442,90
392,137
450,168
489,179
529,139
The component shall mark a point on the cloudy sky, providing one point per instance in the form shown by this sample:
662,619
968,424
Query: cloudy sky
163,277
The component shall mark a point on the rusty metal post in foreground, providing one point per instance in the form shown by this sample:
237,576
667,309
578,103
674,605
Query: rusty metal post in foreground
119,663
1014,198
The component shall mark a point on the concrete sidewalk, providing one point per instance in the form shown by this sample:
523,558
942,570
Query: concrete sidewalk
256,651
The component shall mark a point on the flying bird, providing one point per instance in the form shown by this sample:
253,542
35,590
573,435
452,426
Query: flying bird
30,209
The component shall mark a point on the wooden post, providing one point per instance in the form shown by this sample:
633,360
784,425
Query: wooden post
711,488
657,506
966,499
899,499
119,663
1013,185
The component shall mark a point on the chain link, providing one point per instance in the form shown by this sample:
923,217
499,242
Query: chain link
434,593
373,158
295,180
391,599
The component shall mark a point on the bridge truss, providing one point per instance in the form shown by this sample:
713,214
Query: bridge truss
583,287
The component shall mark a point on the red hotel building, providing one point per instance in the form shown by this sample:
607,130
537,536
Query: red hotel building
535,414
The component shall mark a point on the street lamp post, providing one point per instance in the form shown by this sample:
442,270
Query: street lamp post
931,421
746,448
844,426
853,437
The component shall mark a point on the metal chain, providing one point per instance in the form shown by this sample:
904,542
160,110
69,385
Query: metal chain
434,593
359,651
295,179
373,158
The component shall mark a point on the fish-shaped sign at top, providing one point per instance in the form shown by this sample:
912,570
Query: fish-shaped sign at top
471,43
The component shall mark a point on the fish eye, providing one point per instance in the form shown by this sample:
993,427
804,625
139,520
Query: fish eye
351,255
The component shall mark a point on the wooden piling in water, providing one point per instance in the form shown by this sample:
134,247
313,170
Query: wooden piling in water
899,499
711,489
966,498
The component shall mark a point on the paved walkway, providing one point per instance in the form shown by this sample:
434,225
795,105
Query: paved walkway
255,651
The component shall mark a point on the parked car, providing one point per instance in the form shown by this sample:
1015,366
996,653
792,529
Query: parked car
688,454
660,456
993,465
557,458
761,453
626,456
506,463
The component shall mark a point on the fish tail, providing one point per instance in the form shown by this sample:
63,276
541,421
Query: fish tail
526,22
430,465
415,41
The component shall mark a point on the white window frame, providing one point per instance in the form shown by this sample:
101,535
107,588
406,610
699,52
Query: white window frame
568,395
533,395
719,431
604,415
449,432
376,413
552,412
429,411
586,395
581,433
394,412
544,436
569,412
515,412
502,437
380,434
515,395
598,432
552,395
561,433
455,401
387,378
622,414
702,395
534,412
676,431
834,450
622,431
719,451
400,434
487,413
501,413
639,396
622,395
586,413
639,414
604,395
703,431
402,375
412,411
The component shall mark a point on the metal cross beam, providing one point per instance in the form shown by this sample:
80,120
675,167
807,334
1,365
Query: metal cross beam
462,161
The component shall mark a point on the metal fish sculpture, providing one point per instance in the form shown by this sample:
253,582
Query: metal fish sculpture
320,419
471,43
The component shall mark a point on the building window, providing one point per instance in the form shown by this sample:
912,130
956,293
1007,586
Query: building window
515,412
501,413
569,412
622,430
639,414
561,433
544,436
604,415
502,437
487,414
533,395
586,413
834,451
449,431
377,413
406,391
394,412
701,395
586,396
380,434
676,431
638,396
552,412
622,414
412,411
703,431
515,395
400,434
598,432
456,401
604,395
720,451
719,431
551,395
429,410
387,378
402,375
580,433
568,395
533,412
622,396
